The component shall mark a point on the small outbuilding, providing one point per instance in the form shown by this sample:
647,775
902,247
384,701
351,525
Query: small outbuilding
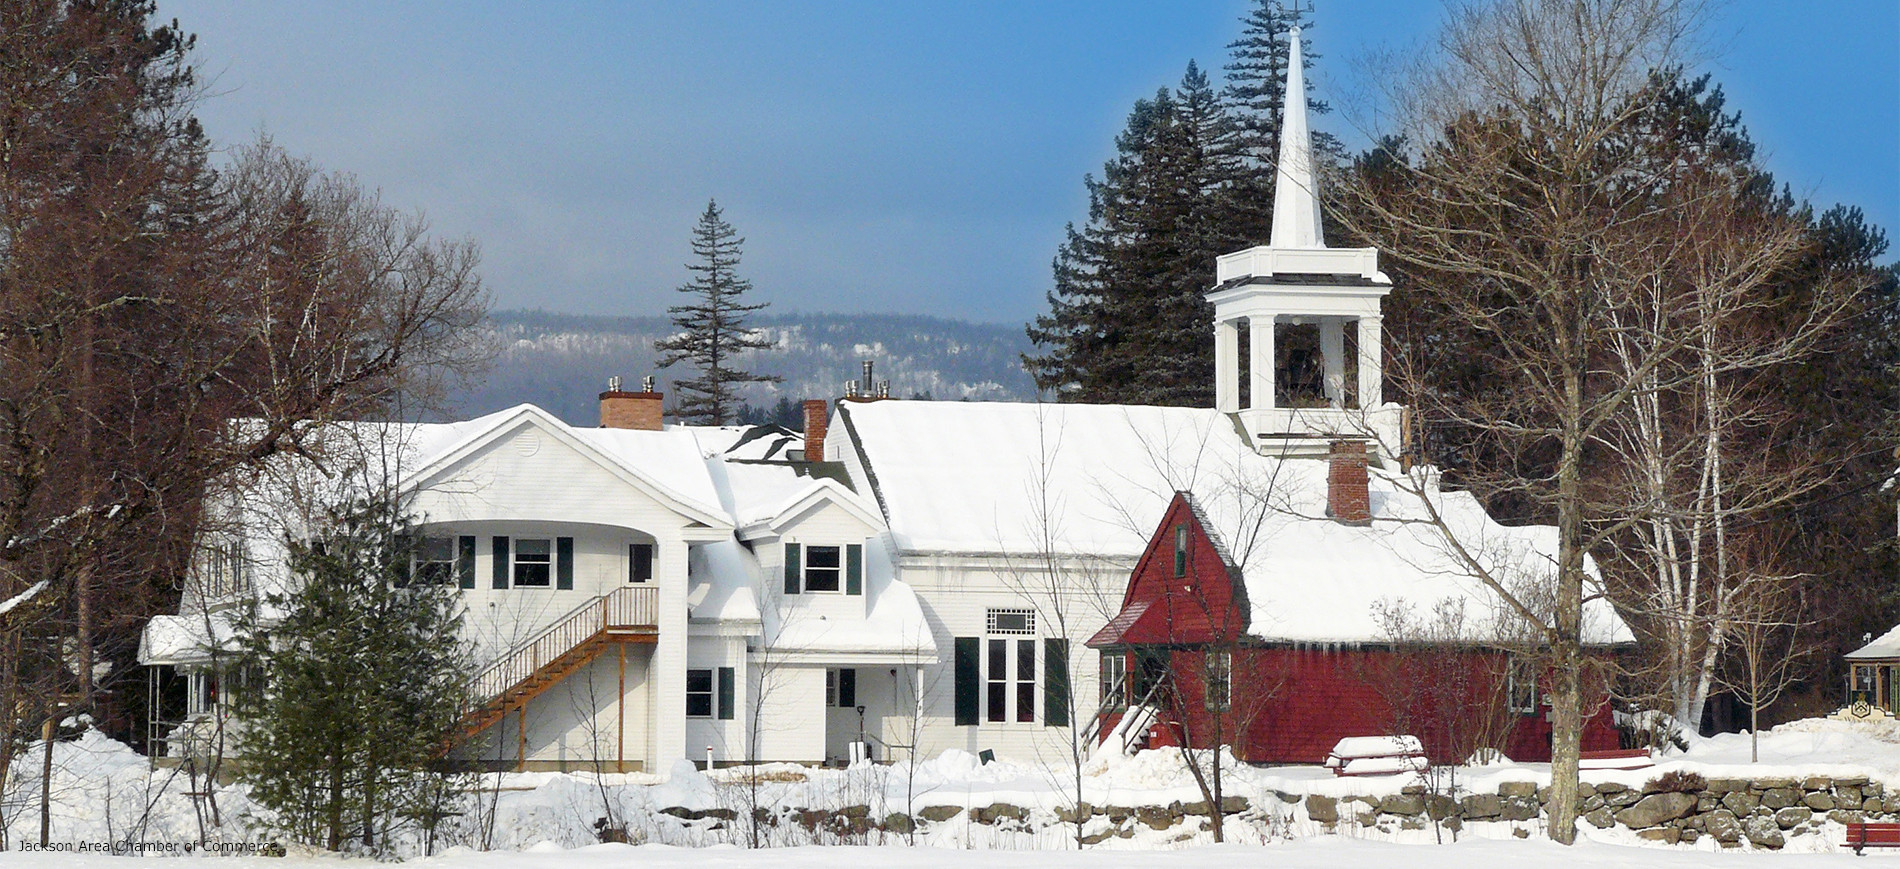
1873,677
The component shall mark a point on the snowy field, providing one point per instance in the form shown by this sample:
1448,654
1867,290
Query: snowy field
104,792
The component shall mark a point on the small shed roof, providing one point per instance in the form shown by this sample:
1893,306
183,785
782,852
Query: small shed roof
1884,647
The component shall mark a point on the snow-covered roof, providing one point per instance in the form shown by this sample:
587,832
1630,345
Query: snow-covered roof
186,639
746,442
1311,579
726,570
980,477
893,626
1885,646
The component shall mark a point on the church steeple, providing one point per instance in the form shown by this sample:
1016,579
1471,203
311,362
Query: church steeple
1295,191
1292,406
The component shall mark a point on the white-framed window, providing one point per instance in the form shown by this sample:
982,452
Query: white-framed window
1010,621
1180,550
435,561
1521,686
201,692
699,693
1114,672
1219,679
1012,677
534,562
224,569
824,568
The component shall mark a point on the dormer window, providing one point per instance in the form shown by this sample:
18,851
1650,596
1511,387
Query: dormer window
823,567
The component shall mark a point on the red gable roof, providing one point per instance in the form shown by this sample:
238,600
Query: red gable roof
1204,602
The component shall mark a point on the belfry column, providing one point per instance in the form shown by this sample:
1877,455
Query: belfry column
1332,349
1227,366
1371,384
1260,359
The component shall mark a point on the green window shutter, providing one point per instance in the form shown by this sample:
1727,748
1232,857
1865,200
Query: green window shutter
854,569
726,699
847,688
1055,682
465,561
563,562
792,565
404,567
501,562
969,658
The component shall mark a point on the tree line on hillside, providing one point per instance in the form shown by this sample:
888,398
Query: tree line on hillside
1608,317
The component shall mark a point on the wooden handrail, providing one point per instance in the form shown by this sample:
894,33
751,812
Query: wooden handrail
627,607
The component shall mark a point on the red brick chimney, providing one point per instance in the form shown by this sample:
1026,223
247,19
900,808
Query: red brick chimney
1347,498
632,410
816,410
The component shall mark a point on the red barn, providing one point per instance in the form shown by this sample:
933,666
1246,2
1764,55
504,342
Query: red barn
1282,623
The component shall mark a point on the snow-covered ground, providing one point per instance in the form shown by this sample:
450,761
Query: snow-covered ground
104,792
1326,852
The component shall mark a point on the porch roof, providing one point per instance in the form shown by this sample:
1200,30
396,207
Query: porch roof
1884,647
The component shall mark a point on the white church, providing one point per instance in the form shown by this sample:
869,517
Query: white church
906,577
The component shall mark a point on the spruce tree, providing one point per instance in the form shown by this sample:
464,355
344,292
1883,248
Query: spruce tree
713,329
355,683
1254,95
1128,317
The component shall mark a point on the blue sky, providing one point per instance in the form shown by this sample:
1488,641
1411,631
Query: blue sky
877,156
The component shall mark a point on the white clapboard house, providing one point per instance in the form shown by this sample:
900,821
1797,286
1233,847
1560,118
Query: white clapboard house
912,575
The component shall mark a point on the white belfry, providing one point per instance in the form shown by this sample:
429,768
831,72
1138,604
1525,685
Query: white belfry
1295,405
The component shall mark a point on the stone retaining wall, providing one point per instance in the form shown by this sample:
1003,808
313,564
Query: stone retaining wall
1676,808
1763,811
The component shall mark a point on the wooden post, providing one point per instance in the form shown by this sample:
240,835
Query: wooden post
620,738
521,745
46,781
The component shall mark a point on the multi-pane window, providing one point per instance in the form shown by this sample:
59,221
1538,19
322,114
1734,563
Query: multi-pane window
1025,680
1521,687
224,570
1219,680
435,560
1011,621
1012,680
1114,671
999,680
699,693
824,566
534,561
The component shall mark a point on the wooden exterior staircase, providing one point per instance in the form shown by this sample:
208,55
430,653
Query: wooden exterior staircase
624,615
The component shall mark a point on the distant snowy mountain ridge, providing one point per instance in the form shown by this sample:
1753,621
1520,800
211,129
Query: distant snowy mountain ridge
562,361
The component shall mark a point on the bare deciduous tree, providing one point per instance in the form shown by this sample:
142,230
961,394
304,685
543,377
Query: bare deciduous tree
1526,187
148,299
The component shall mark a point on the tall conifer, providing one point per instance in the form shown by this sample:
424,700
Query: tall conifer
1128,316
714,326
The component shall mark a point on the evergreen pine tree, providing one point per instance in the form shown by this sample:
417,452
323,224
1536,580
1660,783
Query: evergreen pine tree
354,685
1128,317
714,329
1253,95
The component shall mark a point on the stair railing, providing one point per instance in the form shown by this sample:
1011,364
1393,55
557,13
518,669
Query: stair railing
630,606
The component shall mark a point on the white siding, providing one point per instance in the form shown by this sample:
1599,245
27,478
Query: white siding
792,712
